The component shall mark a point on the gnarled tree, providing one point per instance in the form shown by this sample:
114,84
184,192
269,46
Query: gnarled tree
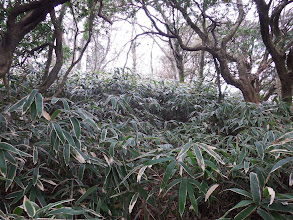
21,19
216,26
276,31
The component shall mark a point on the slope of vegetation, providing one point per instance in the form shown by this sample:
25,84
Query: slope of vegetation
119,147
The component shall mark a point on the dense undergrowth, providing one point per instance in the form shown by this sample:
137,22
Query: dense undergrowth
119,147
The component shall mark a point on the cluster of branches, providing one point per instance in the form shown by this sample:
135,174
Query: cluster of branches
218,30
220,36
21,19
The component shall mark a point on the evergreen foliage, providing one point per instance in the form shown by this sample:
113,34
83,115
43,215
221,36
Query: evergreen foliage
119,147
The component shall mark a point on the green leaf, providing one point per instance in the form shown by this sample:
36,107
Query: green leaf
241,192
255,188
240,204
17,105
167,174
29,101
33,111
65,104
81,170
69,138
17,211
66,153
35,175
155,161
184,149
52,205
260,149
3,164
35,155
84,196
192,198
9,147
39,104
281,207
55,114
59,132
54,100
199,157
281,163
210,151
264,214
104,135
245,213
76,127
182,196
29,207
66,211
172,184
132,202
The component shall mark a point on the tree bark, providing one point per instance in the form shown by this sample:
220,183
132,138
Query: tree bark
50,79
34,13
269,28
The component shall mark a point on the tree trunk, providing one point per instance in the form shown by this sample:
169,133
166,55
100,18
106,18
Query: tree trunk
34,13
271,35
177,53
201,65
50,79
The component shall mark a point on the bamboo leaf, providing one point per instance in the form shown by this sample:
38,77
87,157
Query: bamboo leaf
241,192
29,207
240,204
52,205
167,174
210,151
155,161
255,188
39,104
66,153
29,101
3,164
245,213
260,149
132,202
264,214
17,105
33,111
182,196
210,191
86,195
69,138
184,149
199,157
59,132
281,163
192,198
76,127
46,115
9,147
55,114
35,175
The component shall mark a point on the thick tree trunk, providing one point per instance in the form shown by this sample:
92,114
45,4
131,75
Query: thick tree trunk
35,12
246,83
271,35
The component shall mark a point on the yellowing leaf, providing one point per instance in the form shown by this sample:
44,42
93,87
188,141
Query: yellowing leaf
272,194
80,158
46,115
210,191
